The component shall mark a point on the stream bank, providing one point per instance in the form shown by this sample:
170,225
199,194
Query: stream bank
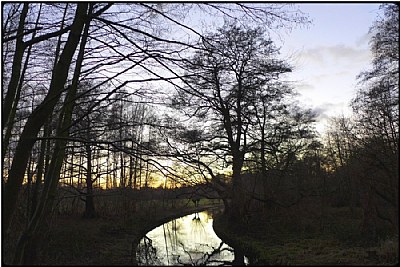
229,234
266,243
105,240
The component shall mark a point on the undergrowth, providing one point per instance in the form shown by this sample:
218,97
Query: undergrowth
332,239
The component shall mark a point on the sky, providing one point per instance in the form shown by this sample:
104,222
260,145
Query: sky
329,54
326,56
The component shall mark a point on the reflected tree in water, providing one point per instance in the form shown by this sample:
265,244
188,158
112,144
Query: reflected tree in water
208,258
186,242
196,217
197,226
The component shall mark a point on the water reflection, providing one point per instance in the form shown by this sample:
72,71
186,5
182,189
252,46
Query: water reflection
187,241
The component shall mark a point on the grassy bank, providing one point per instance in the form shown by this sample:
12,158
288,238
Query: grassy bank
286,241
110,238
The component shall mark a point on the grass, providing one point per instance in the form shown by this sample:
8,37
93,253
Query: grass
333,240
110,238
73,240
292,237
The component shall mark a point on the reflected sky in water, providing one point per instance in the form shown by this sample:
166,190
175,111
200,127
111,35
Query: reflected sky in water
189,240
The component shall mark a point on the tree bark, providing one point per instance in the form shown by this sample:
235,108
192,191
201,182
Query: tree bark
90,211
16,69
40,168
11,115
27,244
237,204
39,116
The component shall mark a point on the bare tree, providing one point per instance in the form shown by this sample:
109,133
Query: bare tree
224,79
376,108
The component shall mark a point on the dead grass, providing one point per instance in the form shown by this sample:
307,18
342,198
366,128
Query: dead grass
332,239
108,239
105,240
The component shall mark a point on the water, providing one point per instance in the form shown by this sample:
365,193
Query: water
187,241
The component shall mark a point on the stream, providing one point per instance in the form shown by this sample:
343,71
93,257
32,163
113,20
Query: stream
187,241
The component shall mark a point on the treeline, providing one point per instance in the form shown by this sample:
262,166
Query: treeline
355,163
363,149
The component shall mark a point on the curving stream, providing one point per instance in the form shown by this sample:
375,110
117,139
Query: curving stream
188,241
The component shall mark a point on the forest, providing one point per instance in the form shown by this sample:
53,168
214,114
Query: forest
119,116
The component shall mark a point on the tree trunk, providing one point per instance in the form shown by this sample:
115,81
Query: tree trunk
237,205
28,240
90,211
39,116
16,70
130,171
40,169
11,116
264,176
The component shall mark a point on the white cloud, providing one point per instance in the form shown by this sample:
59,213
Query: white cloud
364,40
329,76
324,112
327,55
321,110
302,86
328,109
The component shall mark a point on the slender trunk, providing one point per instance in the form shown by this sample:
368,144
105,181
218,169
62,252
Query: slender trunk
130,171
98,168
90,211
16,70
122,172
40,169
39,116
29,175
27,243
80,171
108,168
140,174
135,173
71,169
13,111
146,175
264,170
115,185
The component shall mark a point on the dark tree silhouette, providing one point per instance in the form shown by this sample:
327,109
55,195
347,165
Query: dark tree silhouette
376,108
234,66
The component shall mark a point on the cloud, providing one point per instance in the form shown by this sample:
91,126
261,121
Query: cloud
304,86
323,55
320,112
364,40
325,110
334,77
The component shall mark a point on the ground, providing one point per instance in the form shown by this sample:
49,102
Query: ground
276,239
289,242
74,240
